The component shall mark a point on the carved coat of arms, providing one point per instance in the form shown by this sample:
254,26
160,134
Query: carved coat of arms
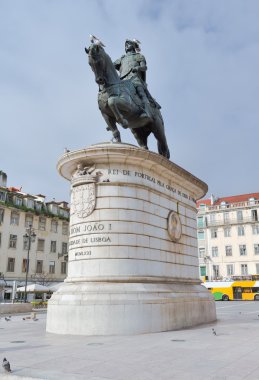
83,200
83,197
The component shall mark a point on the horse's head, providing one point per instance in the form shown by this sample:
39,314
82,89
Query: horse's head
96,59
102,66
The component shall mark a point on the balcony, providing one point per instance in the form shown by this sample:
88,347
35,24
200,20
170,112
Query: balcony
229,206
230,222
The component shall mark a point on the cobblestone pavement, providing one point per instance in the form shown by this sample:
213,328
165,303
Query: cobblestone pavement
192,354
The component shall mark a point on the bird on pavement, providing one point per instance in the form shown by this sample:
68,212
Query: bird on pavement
7,319
6,365
214,332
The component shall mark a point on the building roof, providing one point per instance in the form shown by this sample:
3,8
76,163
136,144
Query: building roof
229,199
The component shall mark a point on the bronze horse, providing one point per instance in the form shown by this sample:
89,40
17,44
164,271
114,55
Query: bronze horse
119,103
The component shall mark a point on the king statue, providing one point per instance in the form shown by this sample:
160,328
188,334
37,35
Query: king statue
132,65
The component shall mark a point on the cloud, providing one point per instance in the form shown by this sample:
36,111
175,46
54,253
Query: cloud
202,68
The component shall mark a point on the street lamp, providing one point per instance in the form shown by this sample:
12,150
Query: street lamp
28,238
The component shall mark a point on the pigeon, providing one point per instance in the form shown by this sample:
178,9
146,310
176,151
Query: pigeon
35,319
66,150
6,365
7,319
96,41
214,332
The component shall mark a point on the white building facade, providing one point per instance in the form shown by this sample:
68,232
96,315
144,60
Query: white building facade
228,236
49,221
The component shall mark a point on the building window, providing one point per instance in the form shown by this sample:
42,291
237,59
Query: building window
226,217
53,246
254,215
63,267
242,250
54,226
228,249
53,208
201,235
201,252
213,218
241,231
200,222
10,264
24,265
28,221
38,206
227,232
30,203
40,246
215,269
2,196
64,248
230,269
203,271
244,269
255,228
214,252
239,215
256,249
18,201
52,267
257,268
14,218
42,223
64,228
214,233
13,241
39,266
1,215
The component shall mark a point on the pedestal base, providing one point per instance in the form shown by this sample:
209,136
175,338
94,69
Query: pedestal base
133,265
125,309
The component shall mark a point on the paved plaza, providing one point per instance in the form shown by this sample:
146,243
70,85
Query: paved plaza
196,353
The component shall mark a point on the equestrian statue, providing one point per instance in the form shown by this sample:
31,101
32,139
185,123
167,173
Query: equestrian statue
124,99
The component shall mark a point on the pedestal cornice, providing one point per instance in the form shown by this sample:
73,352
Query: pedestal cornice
126,154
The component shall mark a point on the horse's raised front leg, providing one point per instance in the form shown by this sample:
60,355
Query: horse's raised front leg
111,126
112,103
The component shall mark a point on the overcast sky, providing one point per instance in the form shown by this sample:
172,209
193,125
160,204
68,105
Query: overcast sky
203,64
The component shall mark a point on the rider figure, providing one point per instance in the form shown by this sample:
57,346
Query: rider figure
132,65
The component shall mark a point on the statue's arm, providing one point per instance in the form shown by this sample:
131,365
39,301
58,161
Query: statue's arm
117,64
142,67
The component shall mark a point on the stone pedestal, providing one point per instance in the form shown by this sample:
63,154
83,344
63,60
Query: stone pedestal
133,265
